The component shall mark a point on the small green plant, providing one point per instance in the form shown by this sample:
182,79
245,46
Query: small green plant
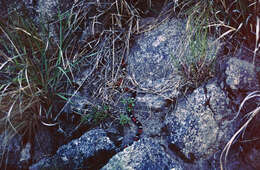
124,119
96,116
129,103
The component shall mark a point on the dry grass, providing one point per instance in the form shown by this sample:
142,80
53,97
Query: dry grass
250,116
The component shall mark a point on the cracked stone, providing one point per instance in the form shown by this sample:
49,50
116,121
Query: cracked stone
200,124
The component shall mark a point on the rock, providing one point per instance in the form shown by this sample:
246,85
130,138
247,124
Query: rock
151,63
145,154
10,151
241,75
151,66
91,150
199,126
48,8
25,154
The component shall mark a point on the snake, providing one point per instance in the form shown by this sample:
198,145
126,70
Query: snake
130,110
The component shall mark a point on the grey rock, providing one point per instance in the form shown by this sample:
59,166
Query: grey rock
10,149
79,153
241,75
25,155
145,154
152,59
150,63
48,8
200,125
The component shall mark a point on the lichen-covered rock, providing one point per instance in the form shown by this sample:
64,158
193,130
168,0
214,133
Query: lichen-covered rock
151,64
146,154
88,151
200,125
10,151
241,75
48,8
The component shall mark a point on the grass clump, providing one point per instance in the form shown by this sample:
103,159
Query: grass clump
237,23
36,72
197,53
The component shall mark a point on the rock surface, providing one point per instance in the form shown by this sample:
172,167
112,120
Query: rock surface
88,151
146,154
10,152
241,75
199,125
151,64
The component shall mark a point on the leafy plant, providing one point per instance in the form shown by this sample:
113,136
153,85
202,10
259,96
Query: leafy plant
124,119
96,116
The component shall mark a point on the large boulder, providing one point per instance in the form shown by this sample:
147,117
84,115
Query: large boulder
151,64
146,154
199,126
89,151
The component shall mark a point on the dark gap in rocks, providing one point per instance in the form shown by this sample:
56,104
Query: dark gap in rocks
99,160
178,152
170,102
164,130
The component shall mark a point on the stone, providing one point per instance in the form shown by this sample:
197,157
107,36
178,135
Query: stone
145,154
199,126
89,151
241,75
44,143
10,150
25,155
152,62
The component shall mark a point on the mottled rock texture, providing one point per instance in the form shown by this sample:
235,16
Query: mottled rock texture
151,62
80,153
241,75
199,125
10,152
146,154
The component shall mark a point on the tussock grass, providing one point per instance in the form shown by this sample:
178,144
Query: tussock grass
197,53
36,72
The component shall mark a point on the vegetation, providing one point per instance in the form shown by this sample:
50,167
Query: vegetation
38,65
235,21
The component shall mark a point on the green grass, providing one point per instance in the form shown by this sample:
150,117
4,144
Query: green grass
39,71
197,53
